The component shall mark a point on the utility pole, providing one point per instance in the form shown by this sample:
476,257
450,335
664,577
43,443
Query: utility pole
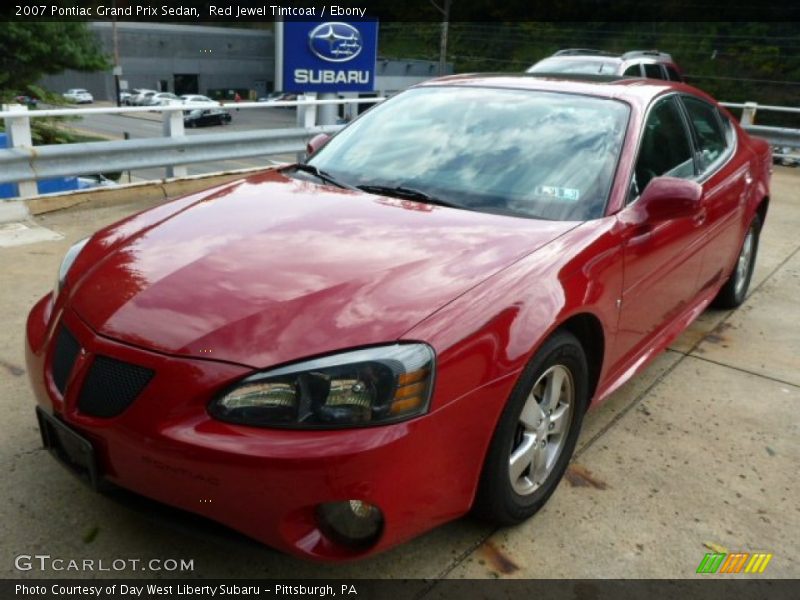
117,67
445,10
277,86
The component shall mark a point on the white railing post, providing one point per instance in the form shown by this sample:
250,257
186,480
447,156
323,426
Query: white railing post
749,114
18,129
306,118
307,115
327,112
173,127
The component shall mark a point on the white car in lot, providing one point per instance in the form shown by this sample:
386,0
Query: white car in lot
199,99
142,98
163,99
78,95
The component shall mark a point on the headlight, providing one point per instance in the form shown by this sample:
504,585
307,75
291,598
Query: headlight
352,389
66,263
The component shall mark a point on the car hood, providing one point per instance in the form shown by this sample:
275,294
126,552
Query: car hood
272,269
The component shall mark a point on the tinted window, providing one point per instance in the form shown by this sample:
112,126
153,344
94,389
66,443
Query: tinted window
665,148
708,131
727,129
653,71
673,74
633,71
518,152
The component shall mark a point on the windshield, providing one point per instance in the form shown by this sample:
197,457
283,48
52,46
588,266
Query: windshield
518,152
587,66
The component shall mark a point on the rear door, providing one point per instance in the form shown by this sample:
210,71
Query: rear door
724,172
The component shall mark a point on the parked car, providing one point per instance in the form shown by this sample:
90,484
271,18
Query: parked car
198,99
341,354
278,97
143,97
29,101
78,95
163,99
786,156
96,180
202,117
651,64
130,99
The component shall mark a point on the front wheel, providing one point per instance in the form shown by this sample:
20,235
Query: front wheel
734,291
536,434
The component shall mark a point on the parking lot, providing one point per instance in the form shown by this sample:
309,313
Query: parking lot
697,453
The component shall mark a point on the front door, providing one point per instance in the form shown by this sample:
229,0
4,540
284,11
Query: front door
661,260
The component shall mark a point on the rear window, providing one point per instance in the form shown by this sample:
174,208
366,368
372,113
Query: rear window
576,66
653,71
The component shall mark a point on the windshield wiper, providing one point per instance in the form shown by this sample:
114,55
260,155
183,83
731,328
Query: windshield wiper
400,191
322,175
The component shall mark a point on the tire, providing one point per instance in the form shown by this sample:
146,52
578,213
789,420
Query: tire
734,291
507,496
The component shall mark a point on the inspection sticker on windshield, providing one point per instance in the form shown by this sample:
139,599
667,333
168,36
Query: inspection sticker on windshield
557,193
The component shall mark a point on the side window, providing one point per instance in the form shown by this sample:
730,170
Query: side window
711,142
665,148
727,129
653,71
633,71
672,74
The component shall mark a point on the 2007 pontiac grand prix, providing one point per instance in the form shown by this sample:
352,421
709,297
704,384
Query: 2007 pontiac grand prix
336,356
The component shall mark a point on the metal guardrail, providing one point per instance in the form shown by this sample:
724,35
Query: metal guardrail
24,164
780,138
62,160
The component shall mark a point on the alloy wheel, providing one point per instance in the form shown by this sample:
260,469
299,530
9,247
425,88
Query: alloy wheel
542,430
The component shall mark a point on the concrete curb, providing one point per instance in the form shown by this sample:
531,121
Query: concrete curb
16,210
13,210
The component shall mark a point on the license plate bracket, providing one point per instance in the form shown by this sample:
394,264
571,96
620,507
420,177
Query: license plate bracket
69,447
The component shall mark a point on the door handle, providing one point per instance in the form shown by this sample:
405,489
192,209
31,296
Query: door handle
700,217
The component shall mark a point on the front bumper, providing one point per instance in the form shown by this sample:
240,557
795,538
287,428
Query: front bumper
266,483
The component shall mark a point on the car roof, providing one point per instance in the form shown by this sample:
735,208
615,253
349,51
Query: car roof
585,58
634,90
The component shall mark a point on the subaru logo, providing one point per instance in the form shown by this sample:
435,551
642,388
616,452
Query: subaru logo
335,42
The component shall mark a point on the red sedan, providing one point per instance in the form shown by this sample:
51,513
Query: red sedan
336,356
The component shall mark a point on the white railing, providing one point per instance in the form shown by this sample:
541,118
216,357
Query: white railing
780,138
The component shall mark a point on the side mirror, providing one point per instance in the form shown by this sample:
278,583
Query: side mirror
317,142
667,198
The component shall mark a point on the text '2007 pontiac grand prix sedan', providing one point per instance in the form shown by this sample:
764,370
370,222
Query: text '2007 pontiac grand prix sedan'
336,356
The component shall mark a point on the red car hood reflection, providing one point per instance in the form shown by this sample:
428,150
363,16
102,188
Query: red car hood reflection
272,269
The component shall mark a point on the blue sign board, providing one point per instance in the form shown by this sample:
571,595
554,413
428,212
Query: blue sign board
329,57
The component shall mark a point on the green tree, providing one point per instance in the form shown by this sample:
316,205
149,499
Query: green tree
29,50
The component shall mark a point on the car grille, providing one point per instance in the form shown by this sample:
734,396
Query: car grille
64,355
111,386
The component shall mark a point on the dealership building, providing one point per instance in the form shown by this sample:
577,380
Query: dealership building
216,61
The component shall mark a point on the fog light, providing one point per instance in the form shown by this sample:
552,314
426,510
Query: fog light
353,523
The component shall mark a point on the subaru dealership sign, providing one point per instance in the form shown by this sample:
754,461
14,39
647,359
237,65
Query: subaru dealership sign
329,57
